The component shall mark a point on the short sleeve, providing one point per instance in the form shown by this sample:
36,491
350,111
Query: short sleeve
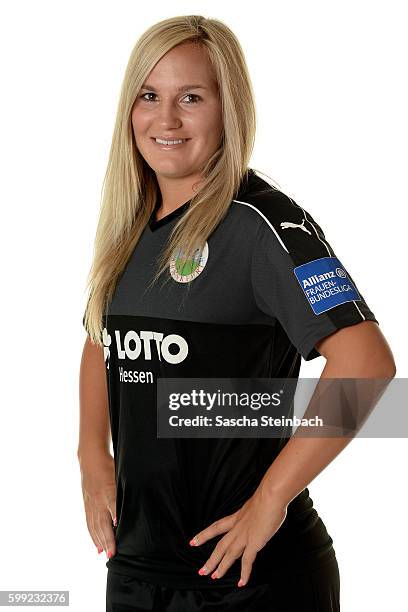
298,279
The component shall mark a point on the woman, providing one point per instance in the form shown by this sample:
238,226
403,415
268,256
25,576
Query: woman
207,523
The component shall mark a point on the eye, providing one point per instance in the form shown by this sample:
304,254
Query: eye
149,93
193,96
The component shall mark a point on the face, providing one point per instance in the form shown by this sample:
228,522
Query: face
179,100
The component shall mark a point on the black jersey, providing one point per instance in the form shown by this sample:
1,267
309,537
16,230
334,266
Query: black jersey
264,289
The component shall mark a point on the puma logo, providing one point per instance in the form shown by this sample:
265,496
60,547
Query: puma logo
286,224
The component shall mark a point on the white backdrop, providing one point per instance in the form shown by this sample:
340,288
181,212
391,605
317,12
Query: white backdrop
332,131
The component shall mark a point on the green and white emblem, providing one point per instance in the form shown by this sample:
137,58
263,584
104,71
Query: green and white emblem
184,271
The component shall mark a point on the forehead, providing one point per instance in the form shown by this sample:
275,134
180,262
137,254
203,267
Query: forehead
186,63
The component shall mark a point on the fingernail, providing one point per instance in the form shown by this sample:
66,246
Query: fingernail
99,550
214,575
115,521
202,571
109,554
241,583
193,542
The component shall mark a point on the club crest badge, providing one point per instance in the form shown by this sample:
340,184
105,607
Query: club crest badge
184,271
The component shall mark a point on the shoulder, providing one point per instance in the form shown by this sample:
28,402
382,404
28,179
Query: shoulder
278,220
270,211
266,200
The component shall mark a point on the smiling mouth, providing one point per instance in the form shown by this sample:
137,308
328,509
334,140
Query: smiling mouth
169,144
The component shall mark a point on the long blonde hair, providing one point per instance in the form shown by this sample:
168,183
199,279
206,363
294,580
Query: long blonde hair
130,187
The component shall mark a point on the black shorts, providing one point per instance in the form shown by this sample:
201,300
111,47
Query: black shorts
310,591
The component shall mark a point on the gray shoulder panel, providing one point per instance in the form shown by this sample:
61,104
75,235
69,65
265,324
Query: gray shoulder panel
291,225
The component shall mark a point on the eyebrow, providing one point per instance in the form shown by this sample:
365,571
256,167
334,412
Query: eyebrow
182,88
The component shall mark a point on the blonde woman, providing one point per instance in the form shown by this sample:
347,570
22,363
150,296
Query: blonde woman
205,523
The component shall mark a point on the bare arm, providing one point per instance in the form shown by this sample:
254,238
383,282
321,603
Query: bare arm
94,428
96,462
357,351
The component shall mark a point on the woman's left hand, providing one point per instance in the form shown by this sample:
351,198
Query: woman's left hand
247,531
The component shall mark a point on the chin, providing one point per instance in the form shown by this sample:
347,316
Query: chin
169,171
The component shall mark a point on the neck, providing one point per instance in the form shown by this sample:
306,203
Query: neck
175,191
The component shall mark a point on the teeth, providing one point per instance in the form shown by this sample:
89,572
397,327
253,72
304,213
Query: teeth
169,142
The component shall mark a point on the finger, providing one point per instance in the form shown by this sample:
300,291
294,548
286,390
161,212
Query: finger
218,527
105,526
216,556
233,552
92,531
112,512
248,559
101,535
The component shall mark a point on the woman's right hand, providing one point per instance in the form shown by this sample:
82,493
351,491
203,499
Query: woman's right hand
99,493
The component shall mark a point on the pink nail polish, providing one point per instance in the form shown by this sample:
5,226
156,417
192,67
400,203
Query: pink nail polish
109,554
241,583
99,550
193,542
214,575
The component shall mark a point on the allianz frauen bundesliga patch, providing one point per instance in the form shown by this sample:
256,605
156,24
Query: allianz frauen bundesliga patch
325,283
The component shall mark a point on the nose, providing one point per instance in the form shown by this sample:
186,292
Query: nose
168,115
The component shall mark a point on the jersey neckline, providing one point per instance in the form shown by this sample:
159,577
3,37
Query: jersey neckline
155,224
